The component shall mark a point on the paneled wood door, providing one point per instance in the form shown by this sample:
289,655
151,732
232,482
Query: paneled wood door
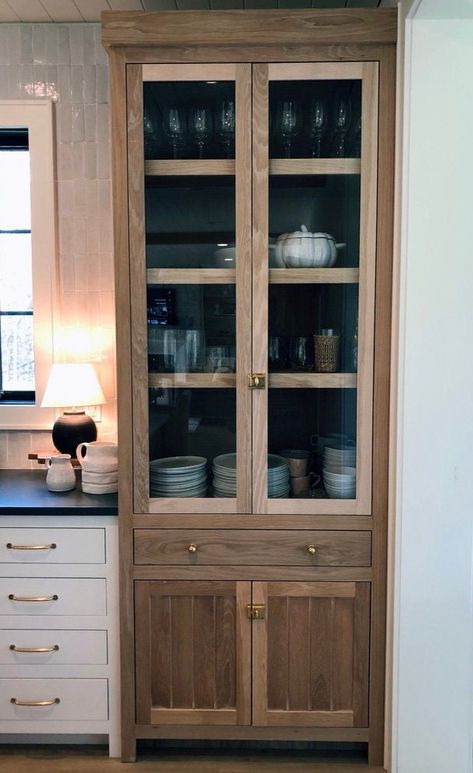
193,650
311,654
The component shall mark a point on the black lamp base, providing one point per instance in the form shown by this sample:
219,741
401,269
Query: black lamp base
72,428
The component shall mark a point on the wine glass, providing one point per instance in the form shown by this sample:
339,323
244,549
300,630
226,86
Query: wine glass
200,127
288,122
342,120
225,124
299,355
318,120
174,125
276,353
149,132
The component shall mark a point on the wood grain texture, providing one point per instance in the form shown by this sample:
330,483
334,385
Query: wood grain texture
242,547
244,307
254,733
281,27
227,572
213,521
191,167
184,276
281,71
283,166
191,72
314,276
313,380
137,251
124,386
192,380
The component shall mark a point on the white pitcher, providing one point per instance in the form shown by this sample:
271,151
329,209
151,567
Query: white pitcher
61,475
98,456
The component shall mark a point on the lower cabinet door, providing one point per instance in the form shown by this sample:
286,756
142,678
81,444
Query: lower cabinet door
193,652
311,654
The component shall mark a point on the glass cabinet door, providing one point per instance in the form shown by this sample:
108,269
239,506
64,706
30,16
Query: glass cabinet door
314,242
190,248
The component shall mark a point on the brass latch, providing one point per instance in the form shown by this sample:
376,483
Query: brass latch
256,611
256,380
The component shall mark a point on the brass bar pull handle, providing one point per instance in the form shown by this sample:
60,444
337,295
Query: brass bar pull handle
12,597
11,546
52,648
312,549
192,548
49,702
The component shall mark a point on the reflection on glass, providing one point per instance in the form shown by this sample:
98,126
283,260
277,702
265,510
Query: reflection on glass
190,430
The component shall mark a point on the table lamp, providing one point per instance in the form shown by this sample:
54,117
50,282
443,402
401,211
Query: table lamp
71,386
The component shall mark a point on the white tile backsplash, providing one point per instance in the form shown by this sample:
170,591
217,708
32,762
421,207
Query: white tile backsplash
67,63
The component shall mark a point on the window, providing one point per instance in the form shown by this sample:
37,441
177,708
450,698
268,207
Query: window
17,383
27,261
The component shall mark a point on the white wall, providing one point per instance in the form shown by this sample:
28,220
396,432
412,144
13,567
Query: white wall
433,651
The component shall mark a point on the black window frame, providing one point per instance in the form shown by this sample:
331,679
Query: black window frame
14,139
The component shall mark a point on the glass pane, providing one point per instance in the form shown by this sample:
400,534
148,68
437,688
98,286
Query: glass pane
190,221
189,120
15,207
314,238
314,430
315,119
17,352
190,431
191,328
16,281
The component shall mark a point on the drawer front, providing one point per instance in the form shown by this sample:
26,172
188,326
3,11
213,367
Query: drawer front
52,546
199,547
74,699
52,648
75,596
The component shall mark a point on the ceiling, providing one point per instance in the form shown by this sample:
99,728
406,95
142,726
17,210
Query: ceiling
90,10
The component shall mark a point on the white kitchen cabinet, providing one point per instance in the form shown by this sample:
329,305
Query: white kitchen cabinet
59,671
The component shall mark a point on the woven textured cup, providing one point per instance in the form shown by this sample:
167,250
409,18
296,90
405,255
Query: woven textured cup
326,351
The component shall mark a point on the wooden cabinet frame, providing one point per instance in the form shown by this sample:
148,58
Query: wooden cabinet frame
262,37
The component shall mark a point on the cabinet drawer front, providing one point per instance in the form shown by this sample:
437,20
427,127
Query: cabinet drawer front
75,596
35,546
52,648
199,547
78,699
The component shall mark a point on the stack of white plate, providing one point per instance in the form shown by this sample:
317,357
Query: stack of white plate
178,476
278,477
339,471
224,475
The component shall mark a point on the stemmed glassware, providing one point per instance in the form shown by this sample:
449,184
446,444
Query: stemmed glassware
318,121
200,127
288,123
225,125
175,128
342,121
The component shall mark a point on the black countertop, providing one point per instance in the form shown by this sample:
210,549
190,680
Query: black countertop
24,492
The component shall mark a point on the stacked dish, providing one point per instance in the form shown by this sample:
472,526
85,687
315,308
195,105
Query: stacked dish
224,475
178,476
278,477
339,471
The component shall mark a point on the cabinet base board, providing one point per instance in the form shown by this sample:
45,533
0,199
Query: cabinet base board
245,733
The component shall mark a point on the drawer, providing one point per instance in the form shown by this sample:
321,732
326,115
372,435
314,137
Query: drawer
85,699
34,546
198,547
75,596
60,648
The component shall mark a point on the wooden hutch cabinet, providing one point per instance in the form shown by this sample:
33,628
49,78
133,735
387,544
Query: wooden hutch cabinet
253,186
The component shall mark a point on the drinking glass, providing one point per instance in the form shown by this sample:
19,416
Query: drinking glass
288,123
175,128
318,120
200,127
149,132
299,353
342,120
194,350
277,353
225,125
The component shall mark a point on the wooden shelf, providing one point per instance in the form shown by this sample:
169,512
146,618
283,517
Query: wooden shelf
313,276
191,276
313,380
190,167
315,166
194,380
276,380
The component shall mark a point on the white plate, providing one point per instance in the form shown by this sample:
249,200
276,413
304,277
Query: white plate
178,464
226,461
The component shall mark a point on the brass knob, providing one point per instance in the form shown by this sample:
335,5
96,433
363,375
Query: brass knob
312,549
192,548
